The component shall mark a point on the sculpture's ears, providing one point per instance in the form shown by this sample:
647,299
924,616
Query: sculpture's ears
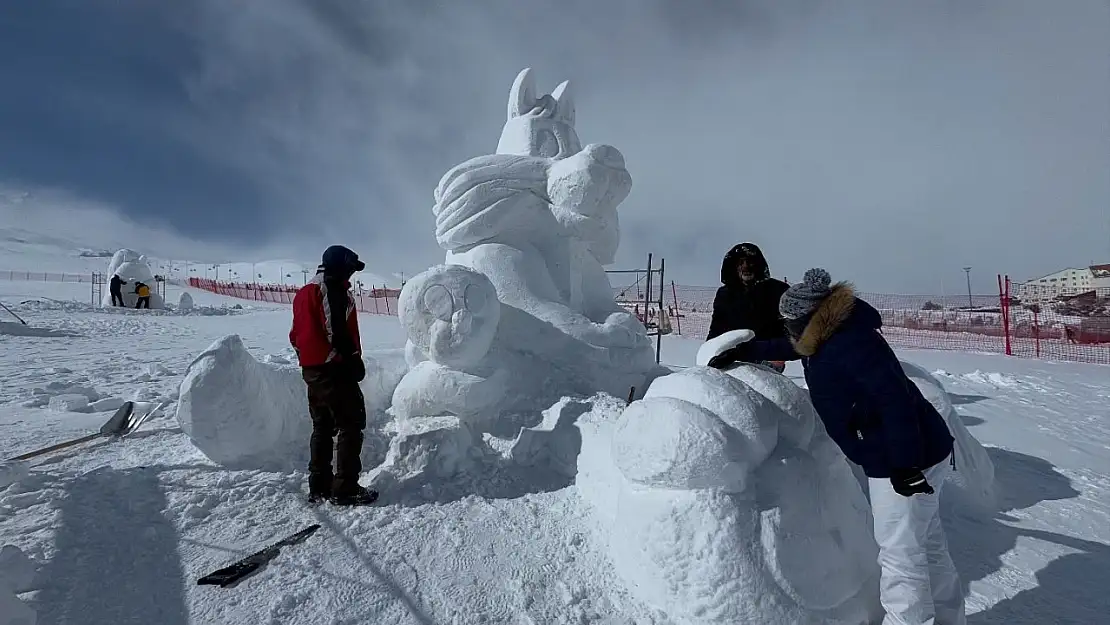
565,99
522,96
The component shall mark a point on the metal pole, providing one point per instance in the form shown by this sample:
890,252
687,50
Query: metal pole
647,291
970,304
659,316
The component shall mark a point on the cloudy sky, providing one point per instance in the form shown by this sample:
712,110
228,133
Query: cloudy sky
891,142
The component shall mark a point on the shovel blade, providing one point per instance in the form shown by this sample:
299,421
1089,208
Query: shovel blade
120,420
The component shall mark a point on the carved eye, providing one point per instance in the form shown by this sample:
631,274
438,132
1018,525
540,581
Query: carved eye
475,298
439,302
547,145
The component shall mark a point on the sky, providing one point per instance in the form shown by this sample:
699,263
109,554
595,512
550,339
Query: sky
893,143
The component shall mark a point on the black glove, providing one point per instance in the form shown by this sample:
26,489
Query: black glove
356,367
727,358
910,482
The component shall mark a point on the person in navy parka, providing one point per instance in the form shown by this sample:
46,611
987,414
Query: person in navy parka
883,423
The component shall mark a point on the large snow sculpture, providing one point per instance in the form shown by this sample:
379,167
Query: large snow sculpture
529,228
723,500
244,413
132,267
478,359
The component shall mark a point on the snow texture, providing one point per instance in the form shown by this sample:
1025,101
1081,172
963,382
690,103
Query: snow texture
17,571
132,267
244,413
726,504
238,411
527,232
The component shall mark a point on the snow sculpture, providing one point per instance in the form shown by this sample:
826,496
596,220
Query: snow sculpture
527,231
17,572
244,413
974,475
722,499
132,267
185,302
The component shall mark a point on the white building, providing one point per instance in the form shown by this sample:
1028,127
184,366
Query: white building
1064,283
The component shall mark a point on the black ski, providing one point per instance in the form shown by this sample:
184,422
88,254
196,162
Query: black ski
229,575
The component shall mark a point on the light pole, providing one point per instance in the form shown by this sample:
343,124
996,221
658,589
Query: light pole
970,304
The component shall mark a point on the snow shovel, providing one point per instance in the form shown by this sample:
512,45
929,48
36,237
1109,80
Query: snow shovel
122,423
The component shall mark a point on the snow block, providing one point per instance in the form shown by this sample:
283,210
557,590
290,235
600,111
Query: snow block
721,504
69,402
185,302
241,412
427,449
238,411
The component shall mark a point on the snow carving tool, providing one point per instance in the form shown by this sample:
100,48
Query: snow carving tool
237,571
122,423
13,314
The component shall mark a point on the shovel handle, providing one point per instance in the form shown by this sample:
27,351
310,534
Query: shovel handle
64,445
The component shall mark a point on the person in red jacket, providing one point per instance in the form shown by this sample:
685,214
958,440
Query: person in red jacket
326,339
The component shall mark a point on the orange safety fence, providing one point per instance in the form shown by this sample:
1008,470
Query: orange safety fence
1068,328
44,276
374,301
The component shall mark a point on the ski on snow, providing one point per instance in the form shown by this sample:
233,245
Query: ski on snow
235,572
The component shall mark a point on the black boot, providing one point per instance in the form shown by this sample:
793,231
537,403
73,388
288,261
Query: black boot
360,496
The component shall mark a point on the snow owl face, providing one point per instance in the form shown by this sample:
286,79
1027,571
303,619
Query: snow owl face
451,314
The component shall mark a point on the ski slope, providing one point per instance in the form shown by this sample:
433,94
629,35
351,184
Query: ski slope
120,530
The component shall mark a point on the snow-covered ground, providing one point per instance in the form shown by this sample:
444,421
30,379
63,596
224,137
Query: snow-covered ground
122,529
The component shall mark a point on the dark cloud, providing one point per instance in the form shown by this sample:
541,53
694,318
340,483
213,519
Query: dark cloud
891,142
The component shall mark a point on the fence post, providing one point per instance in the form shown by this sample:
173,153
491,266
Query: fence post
1037,330
677,314
1004,302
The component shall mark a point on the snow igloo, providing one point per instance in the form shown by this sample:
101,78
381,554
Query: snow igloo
132,267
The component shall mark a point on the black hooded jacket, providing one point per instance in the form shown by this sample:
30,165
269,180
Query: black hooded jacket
755,306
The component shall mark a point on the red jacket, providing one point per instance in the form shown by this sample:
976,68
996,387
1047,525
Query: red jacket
314,336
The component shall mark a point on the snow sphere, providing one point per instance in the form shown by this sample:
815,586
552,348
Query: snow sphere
451,314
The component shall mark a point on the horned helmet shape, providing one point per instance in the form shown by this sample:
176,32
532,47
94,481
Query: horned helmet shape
539,126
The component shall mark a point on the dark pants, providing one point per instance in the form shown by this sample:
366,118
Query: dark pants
143,302
117,298
338,417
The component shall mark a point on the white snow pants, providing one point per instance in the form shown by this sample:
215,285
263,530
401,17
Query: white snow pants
919,583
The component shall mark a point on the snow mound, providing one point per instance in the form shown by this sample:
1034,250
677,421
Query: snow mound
132,267
721,503
241,412
17,572
974,474
185,303
238,411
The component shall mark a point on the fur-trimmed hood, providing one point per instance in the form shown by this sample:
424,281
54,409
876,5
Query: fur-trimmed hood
839,308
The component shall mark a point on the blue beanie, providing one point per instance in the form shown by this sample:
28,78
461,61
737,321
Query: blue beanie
803,298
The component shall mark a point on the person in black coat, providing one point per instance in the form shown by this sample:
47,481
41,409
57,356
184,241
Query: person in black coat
115,287
881,421
748,298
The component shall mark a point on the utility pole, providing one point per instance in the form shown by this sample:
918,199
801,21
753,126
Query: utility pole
970,304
